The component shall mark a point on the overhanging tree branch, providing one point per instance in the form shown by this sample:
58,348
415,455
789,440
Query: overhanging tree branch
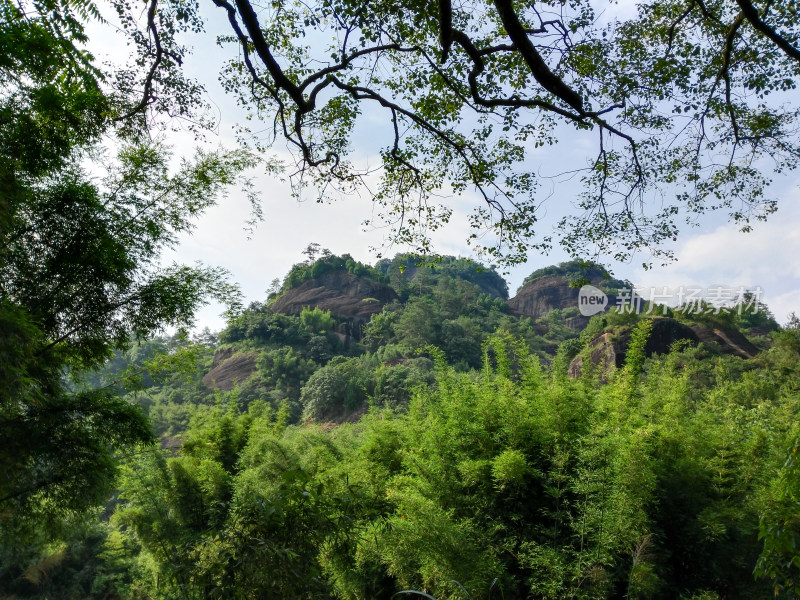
541,72
751,14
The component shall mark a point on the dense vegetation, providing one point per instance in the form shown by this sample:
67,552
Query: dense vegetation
82,234
445,452
578,272
441,447
302,360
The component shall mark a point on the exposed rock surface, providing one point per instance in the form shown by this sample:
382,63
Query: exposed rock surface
171,443
608,349
666,332
222,355
607,352
538,297
345,295
730,341
230,368
342,293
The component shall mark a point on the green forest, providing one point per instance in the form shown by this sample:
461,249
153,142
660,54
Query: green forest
443,452
409,428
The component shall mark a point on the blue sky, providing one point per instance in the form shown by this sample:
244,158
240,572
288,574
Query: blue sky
713,253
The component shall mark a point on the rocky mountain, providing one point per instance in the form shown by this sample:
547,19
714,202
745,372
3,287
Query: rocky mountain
452,305
730,341
608,348
540,295
347,296
230,368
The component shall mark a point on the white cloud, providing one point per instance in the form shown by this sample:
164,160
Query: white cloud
766,257
289,226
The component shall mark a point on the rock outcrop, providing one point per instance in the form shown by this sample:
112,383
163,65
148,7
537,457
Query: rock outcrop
345,295
730,341
539,296
608,349
230,368
607,352
342,293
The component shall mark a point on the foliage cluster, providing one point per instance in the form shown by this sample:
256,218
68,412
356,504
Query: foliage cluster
408,265
580,272
442,308
682,102
82,235
328,263
510,478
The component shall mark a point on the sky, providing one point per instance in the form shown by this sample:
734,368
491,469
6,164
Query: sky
715,253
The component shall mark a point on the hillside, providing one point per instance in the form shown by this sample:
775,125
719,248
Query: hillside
454,439
349,298
556,288
340,335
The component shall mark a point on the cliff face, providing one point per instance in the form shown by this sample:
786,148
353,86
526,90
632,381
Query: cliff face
538,297
730,341
608,351
344,294
230,368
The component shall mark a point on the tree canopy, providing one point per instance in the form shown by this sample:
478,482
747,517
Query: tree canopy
511,474
687,102
83,229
